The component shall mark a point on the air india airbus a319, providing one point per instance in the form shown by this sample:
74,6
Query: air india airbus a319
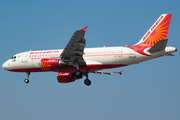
73,62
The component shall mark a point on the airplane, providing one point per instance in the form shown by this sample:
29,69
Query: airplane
75,61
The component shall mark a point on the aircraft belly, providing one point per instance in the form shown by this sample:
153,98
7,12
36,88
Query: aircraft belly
110,59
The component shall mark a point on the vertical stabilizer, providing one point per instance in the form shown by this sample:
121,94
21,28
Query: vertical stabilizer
158,31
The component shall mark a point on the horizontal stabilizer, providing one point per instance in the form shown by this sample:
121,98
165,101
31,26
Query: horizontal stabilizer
159,46
107,72
170,54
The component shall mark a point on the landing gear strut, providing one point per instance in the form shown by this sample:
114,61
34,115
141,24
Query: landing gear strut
78,73
27,80
87,81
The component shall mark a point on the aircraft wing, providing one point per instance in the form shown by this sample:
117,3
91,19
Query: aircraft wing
74,50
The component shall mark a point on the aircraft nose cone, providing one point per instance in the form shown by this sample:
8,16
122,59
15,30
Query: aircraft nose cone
5,66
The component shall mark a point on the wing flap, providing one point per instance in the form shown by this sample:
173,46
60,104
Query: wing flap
74,50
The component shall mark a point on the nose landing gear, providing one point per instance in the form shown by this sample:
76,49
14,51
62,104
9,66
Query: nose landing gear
27,80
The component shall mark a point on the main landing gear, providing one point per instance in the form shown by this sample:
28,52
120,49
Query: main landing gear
78,74
27,80
87,81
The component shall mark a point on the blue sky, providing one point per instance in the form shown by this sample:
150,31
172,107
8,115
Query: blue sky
146,91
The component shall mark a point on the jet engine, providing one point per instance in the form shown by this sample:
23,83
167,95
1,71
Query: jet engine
51,63
66,77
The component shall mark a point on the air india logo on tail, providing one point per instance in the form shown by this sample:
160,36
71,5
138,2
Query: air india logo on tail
152,28
158,31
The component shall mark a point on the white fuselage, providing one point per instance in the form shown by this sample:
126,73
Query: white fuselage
92,56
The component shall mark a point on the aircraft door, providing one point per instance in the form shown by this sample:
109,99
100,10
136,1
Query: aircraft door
24,57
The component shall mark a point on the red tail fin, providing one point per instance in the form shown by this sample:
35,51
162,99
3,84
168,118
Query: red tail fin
158,31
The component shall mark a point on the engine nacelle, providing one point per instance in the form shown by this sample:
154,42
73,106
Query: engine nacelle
50,64
65,77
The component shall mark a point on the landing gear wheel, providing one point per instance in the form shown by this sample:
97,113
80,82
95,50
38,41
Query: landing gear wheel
87,82
78,73
26,81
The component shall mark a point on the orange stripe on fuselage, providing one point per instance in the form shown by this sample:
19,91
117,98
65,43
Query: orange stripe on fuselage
93,55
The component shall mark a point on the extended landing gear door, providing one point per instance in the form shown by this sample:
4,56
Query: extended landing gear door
132,53
24,57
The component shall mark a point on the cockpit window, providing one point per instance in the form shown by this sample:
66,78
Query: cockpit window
14,57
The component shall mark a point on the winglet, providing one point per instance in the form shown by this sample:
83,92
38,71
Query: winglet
84,28
121,72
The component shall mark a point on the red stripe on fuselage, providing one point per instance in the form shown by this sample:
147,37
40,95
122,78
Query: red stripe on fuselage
83,68
139,49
